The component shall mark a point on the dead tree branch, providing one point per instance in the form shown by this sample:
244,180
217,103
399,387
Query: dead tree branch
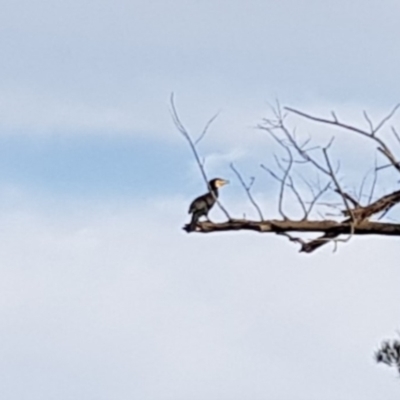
382,146
301,158
279,226
179,125
247,188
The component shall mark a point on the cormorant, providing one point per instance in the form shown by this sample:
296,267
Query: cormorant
203,204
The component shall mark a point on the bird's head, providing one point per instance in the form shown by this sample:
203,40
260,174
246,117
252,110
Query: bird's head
217,183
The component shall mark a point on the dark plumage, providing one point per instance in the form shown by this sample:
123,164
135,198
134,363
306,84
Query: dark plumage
203,204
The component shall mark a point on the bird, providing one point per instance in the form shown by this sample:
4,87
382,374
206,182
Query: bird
203,204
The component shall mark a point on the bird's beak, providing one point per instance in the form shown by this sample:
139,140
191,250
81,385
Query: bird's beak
224,182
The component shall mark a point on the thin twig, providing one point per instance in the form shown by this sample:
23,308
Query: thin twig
373,185
208,124
368,119
387,118
384,149
179,125
292,186
336,182
315,199
247,188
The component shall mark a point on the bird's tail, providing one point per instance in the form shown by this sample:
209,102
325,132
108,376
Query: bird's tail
193,222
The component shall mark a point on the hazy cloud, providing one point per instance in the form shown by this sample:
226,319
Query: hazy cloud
106,304
102,295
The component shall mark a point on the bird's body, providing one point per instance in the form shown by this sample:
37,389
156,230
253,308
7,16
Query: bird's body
202,205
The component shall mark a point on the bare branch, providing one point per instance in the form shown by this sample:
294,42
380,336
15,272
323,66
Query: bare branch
247,188
395,133
383,148
373,185
336,182
330,227
348,197
303,153
301,158
292,238
208,124
282,190
387,118
315,199
371,126
334,122
289,184
179,125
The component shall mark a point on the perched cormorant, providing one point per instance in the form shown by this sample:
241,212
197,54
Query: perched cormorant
203,204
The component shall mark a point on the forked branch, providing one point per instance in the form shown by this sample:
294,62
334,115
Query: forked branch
193,146
301,158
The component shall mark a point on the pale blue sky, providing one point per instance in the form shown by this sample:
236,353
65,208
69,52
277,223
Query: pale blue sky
102,296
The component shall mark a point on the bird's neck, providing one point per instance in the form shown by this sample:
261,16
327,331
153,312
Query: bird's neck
214,191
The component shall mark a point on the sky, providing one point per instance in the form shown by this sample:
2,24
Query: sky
103,296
